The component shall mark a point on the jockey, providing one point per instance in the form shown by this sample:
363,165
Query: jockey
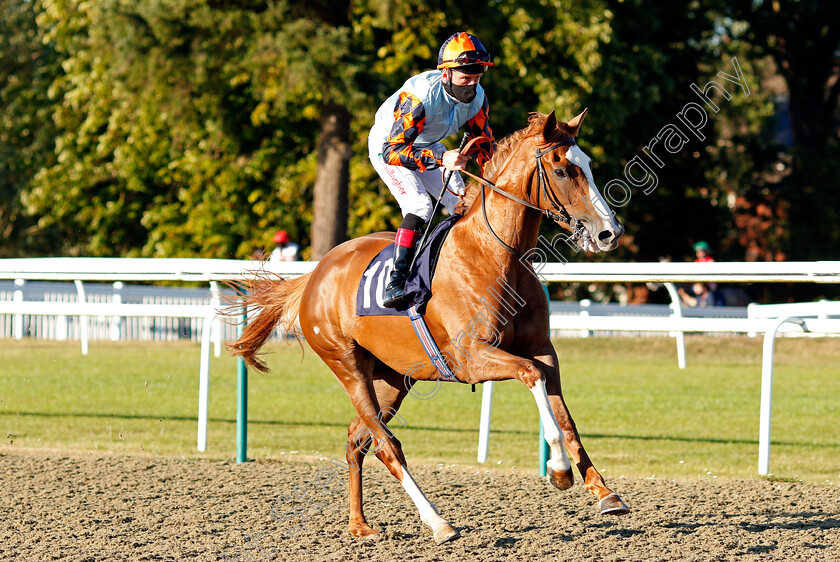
404,142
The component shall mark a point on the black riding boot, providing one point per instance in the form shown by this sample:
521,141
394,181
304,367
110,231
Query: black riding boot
403,254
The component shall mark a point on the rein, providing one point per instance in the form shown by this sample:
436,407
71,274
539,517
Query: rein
561,216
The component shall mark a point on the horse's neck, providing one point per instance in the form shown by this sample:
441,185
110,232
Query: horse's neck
516,225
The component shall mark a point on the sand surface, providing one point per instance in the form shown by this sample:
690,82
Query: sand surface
58,506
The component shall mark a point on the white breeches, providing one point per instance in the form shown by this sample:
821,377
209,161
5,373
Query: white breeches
411,188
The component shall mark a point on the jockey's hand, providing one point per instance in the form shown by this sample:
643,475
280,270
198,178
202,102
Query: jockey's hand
454,160
461,206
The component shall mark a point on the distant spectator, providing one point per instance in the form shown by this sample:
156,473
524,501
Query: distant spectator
258,254
703,252
700,295
285,250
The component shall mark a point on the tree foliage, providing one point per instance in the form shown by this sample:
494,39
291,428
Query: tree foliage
198,128
802,39
28,67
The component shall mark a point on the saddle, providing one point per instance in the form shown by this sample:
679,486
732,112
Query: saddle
418,292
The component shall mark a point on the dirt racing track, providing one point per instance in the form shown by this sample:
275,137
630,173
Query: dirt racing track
58,506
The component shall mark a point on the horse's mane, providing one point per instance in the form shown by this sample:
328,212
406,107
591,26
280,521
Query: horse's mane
536,122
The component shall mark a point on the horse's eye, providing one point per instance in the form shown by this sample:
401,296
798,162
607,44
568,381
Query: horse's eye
560,173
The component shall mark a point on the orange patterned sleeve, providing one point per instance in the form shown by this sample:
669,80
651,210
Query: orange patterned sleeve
399,150
479,126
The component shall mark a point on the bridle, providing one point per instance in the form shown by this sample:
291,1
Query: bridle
558,214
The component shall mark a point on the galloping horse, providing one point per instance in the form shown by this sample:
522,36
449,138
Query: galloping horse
489,313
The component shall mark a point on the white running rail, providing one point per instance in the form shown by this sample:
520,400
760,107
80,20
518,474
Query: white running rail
767,320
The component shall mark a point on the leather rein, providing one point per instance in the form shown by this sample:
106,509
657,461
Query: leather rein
558,215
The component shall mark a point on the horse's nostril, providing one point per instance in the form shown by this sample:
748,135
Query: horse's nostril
605,236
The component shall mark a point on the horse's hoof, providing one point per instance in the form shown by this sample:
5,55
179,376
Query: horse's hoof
612,505
562,479
363,531
446,533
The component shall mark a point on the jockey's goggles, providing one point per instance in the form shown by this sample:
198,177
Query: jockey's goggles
465,58
470,68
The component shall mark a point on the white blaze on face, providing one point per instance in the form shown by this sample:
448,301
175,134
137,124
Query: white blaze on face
579,158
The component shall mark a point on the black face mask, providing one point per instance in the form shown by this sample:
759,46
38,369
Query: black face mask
464,94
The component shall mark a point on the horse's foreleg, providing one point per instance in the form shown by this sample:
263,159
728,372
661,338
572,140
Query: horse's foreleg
389,450
429,514
558,468
608,501
541,376
489,363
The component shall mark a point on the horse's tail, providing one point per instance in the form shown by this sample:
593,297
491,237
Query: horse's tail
270,301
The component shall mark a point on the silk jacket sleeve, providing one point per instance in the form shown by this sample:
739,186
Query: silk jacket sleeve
398,149
479,126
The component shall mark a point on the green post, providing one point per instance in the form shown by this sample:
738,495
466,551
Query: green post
543,447
544,450
241,401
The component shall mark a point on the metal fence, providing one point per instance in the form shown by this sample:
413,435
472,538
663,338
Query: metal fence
114,328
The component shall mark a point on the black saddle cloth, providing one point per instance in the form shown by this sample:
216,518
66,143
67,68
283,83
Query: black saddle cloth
371,291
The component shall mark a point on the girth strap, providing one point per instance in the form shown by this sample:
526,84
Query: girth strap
429,345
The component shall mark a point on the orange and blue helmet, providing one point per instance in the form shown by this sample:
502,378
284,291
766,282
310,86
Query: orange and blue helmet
464,50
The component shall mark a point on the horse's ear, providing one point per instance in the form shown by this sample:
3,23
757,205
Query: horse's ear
549,128
576,122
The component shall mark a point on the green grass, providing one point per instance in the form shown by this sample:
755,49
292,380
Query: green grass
639,414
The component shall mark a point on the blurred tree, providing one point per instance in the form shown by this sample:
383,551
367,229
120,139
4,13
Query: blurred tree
302,65
168,147
144,166
196,127
28,67
803,40
631,63
187,129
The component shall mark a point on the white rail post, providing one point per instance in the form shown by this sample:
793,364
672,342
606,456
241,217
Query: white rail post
676,306
83,320
484,426
116,321
17,296
767,392
216,303
61,324
584,313
204,379
61,327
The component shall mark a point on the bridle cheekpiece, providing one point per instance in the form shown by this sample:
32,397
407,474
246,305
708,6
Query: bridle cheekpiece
558,214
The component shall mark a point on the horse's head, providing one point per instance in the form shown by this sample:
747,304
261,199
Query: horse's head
564,187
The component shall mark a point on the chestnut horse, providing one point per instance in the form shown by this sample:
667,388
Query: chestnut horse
538,170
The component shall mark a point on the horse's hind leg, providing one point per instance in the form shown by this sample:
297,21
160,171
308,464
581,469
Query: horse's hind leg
368,431
356,451
390,392
609,502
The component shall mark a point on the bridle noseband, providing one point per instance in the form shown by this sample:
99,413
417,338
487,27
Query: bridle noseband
558,214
